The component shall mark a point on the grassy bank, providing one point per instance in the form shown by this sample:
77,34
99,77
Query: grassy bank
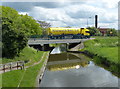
26,77
104,51
28,54
22,78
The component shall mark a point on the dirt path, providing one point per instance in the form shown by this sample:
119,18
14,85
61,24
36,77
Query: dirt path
37,62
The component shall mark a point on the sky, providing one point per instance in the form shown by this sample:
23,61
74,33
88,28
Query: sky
74,13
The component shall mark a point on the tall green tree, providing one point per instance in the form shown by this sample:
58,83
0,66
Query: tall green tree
13,38
15,30
31,25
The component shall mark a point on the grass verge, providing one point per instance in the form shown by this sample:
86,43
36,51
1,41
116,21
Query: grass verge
22,78
104,51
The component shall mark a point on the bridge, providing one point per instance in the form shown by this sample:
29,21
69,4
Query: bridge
43,44
37,41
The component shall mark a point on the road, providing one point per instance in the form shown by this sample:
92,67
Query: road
36,41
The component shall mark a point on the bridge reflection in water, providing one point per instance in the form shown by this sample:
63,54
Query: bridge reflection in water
65,61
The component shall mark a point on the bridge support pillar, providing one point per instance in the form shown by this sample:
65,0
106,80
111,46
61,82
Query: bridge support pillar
45,47
67,46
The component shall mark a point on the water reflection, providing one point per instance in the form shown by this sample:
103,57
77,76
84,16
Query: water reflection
56,50
74,70
59,49
65,61
89,76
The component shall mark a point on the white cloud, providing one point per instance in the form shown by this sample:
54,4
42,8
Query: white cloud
85,11
51,15
57,23
110,3
109,25
69,13
23,13
75,15
104,3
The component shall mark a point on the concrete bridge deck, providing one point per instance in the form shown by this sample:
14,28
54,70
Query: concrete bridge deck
37,41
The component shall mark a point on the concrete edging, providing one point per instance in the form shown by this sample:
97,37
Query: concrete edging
41,73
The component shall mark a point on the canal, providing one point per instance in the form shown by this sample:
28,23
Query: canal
75,70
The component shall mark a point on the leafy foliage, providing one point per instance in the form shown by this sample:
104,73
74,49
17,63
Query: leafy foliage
13,39
111,32
94,31
15,30
31,26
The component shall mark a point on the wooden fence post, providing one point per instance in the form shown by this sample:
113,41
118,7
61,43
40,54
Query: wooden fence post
4,68
23,65
10,66
17,65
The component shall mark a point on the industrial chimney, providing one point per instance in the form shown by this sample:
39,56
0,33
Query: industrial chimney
96,21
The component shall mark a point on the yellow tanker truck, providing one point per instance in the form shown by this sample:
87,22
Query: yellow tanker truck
62,33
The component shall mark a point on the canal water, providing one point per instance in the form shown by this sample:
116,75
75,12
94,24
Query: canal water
75,70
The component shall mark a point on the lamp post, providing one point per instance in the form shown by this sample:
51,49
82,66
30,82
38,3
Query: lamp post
87,20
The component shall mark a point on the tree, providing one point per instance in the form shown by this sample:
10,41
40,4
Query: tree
13,40
44,25
94,31
31,25
111,32
15,30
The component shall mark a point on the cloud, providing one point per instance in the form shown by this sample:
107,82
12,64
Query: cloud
109,25
50,4
106,4
19,6
119,16
74,15
53,15
27,6
81,11
62,13
89,12
110,3
23,13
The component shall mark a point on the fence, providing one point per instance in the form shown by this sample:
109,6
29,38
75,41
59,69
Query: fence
12,66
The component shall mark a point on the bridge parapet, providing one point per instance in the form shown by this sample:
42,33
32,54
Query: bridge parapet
42,42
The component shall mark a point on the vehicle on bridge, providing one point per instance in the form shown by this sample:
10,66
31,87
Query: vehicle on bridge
62,33
65,33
